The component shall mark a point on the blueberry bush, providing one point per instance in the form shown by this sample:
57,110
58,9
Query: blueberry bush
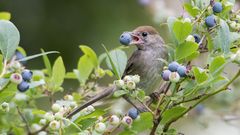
212,28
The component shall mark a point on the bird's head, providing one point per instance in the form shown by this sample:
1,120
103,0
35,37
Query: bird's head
143,37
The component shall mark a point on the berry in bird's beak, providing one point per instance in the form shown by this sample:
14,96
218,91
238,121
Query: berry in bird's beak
125,38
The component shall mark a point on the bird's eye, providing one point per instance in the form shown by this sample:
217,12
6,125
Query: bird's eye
144,34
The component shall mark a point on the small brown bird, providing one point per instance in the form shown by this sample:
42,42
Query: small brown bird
143,62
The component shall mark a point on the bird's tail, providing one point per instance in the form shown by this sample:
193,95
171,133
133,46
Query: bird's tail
106,92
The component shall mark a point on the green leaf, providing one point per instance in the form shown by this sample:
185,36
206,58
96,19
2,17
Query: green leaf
200,74
58,72
141,94
86,123
222,40
9,38
94,114
181,30
217,65
1,63
172,114
145,118
234,36
5,16
119,93
86,64
170,22
186,49
90,53
119,59
70,75
3,83
193,11
47,63
37,55
8,93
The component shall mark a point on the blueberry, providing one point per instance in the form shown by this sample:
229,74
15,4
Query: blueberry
133,113
182,71
23,86
27,75
173,66
125,38
217,7
166,74
210,21
19,56
197,38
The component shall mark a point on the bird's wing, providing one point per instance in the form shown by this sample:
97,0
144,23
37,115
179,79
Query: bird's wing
131,64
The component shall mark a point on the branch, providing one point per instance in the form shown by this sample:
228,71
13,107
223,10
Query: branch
201,100
24,120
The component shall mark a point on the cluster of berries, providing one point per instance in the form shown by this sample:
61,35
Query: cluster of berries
59,109
114,121
210,20
22,80
174,72
129,82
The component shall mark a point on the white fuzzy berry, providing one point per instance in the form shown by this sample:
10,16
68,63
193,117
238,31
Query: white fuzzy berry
90,108
73,104
49,116
100,127
114,120
174,77
127,78
136,78
43,122
190,38
56,107
131,85
68,97
127,120
58,116
5,107
35,127
16,78
54,125
42,133
119,83
187,20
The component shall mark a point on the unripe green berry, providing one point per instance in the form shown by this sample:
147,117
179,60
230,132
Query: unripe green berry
49,116
127,78
5,107
68,97
16,78
100,127
187,20
119,83
131,85
58,116
136,78
174,77
55,125
43,122
114,120
190,38
56,107
127,121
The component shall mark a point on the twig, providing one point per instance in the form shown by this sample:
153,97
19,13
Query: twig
24,120
145,106
42,129
188,100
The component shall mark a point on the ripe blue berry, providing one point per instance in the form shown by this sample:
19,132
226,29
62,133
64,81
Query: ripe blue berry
173,66
182,71
23,86
166,74
210,21
19,56
197,38
133,113
125,38
217,7
27,75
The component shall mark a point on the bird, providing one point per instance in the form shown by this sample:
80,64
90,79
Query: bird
144,62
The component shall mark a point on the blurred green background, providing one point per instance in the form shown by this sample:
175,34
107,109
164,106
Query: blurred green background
63,25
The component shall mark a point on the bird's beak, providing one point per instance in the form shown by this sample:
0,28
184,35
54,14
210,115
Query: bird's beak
136,39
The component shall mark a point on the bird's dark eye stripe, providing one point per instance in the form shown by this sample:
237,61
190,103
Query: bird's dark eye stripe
144,34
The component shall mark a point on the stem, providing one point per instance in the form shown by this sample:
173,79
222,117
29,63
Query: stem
201,100
198,19
145,106
4,68
24,120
